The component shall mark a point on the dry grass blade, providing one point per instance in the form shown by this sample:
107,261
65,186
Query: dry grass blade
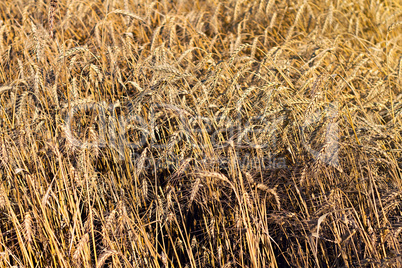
3,196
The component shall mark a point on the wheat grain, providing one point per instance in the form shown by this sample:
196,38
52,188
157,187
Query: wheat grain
329,18
273,20
141,162
271,191
52,11
104,256
195,188
131,15
4,156
80,247
296,22
28,228
145,190
393,26
72,52
3,198
237,10
211,174
181,169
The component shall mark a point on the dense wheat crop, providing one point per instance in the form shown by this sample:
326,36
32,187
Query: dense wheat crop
200,133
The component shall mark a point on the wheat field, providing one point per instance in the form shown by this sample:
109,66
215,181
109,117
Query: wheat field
204,133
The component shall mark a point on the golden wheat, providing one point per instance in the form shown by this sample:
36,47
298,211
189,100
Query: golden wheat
200,133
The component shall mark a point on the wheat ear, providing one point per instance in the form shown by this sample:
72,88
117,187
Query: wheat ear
52,11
